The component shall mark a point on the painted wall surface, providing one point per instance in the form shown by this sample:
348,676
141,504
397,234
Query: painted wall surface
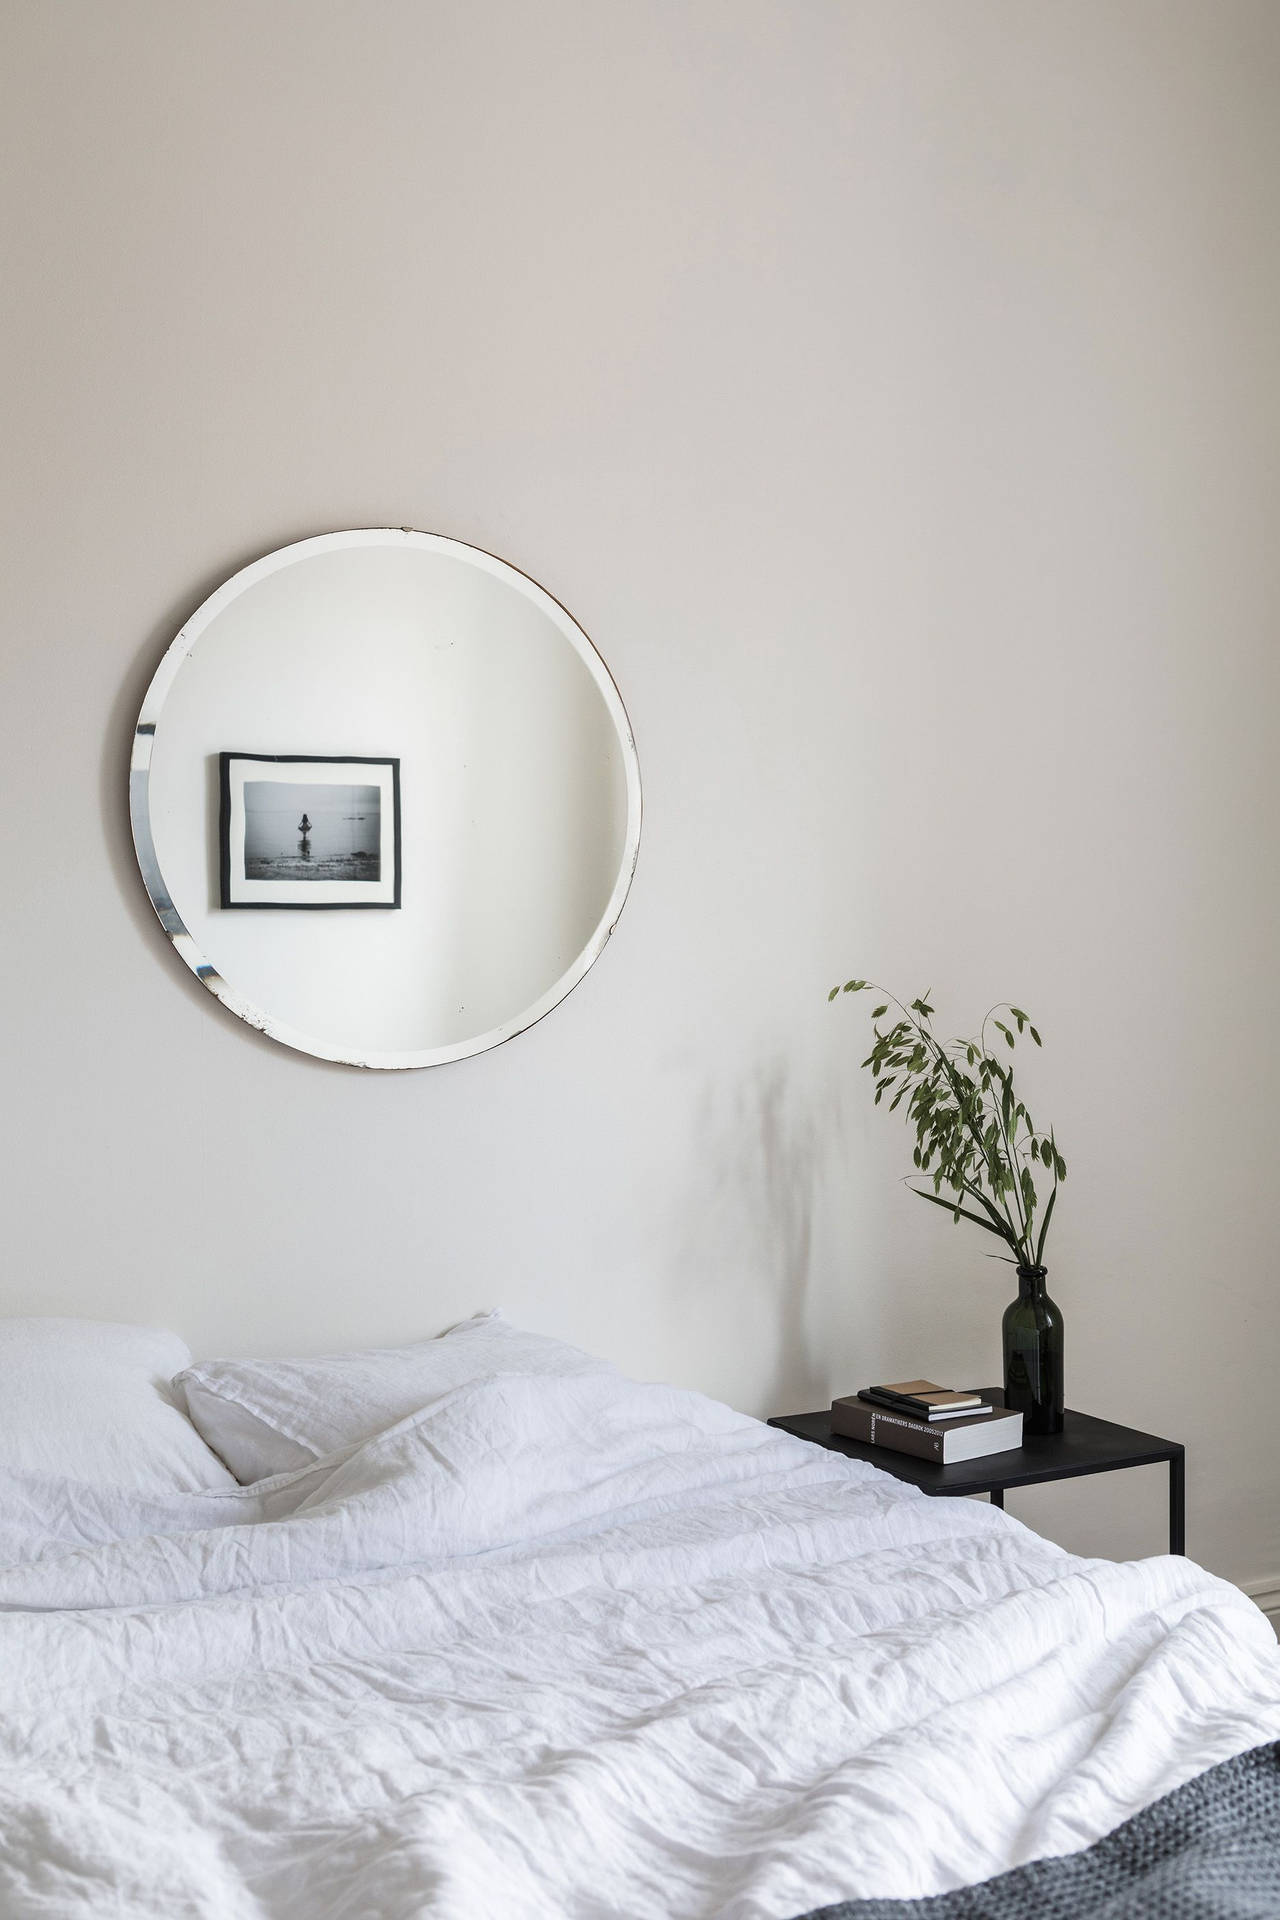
890,389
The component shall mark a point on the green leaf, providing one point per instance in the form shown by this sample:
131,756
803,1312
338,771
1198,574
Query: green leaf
1044,1228
834,991
962,1213
1028,1187
878,1013
854,986
1034,1035
1001,1226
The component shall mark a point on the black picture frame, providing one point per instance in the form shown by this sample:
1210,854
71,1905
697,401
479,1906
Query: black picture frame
289,904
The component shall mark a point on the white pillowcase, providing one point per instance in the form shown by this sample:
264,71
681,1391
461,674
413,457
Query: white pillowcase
89,1403
272,1416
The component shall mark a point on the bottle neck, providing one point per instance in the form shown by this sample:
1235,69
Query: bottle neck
1031,1282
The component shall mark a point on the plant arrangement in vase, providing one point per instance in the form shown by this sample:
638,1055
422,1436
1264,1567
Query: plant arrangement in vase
985,1161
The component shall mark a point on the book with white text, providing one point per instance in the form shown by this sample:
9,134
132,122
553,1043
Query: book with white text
968,1439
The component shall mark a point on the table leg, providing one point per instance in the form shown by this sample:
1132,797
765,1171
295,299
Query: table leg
996,1497
1178,1504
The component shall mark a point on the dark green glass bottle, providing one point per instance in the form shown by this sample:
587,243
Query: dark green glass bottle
1033,1354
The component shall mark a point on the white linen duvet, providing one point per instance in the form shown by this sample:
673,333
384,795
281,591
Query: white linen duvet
575,1648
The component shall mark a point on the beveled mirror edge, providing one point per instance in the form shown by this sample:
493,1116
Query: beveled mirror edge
174,657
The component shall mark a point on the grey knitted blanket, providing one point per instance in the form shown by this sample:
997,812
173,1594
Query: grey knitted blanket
1208,1851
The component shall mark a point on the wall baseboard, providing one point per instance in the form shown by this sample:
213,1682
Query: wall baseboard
1266,1594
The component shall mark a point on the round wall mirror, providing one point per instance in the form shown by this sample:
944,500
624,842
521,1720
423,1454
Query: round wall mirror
385,798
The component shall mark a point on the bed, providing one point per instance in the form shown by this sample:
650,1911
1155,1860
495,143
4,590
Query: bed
544,1641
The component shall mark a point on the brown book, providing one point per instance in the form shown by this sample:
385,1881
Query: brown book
972,1439
928,1392
924,1399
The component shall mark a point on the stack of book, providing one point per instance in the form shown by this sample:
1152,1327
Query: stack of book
933,1422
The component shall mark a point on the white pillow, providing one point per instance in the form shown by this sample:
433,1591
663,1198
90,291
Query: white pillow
271,1416
90,1403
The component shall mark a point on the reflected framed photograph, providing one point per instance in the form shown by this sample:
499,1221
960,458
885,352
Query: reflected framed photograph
309,830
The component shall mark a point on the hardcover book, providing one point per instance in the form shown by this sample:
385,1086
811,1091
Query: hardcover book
964,1439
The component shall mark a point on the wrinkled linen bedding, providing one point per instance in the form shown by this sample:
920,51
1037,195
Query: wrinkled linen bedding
576,1648
1210,1850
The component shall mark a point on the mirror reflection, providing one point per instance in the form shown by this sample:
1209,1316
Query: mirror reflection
393,721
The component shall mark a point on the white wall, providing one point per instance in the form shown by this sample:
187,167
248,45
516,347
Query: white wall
890,390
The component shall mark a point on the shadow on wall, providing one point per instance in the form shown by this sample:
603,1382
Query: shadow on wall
790,1149
803,1219
765,1153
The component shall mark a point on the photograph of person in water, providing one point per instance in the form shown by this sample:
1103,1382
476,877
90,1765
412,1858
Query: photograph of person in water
296,830
301,830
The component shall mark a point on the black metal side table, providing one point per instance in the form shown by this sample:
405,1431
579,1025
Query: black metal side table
1085,1445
